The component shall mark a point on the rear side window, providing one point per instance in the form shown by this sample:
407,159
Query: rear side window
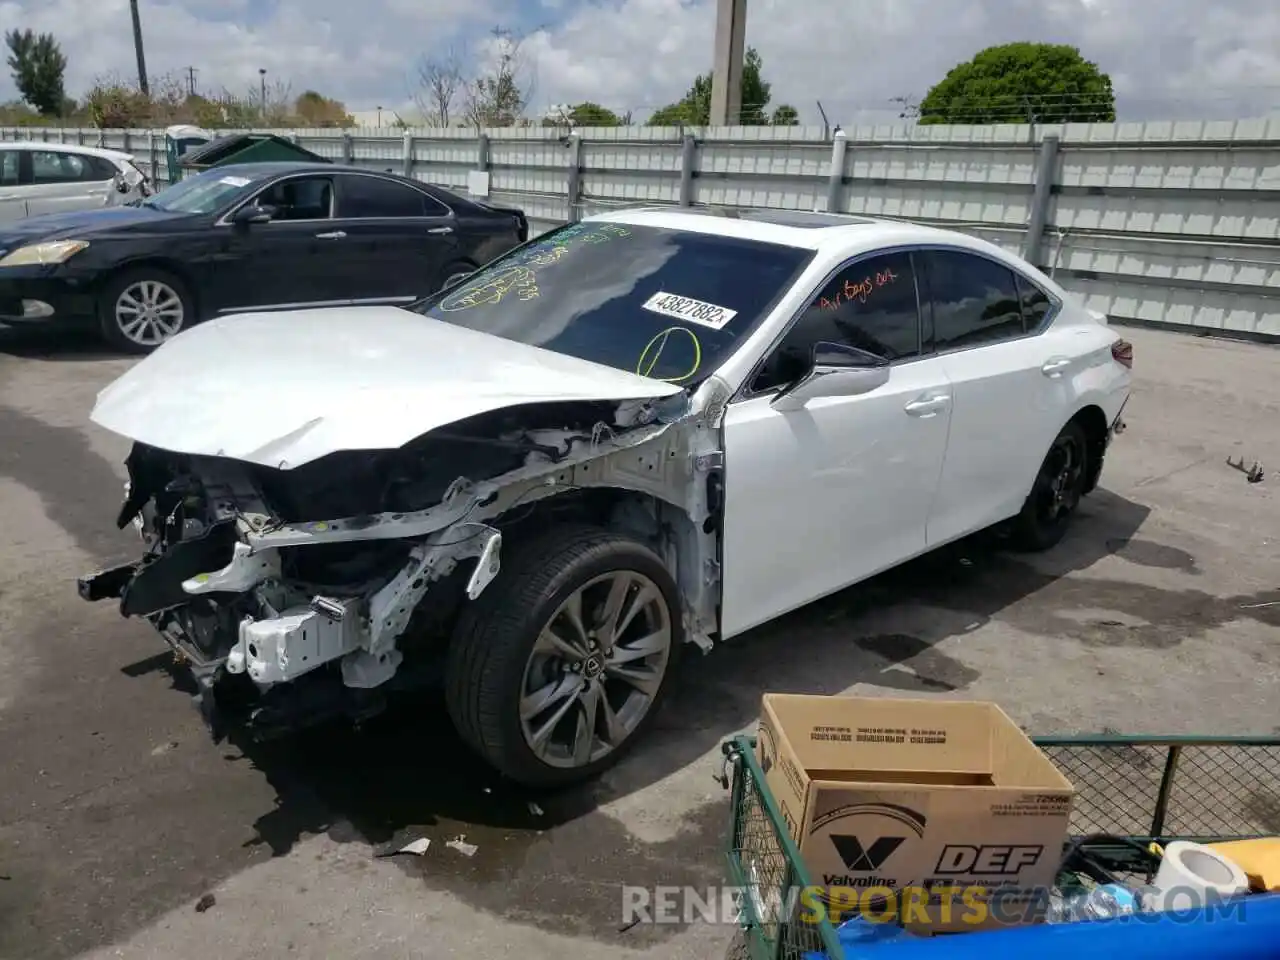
1035,303
8,168
373,197
55,166
975,301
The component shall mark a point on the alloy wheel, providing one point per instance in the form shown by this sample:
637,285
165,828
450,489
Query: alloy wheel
149,312
1061,480
595,669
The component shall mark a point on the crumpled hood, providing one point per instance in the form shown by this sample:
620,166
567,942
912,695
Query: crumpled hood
282,389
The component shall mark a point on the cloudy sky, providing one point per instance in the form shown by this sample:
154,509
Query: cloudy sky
1167,58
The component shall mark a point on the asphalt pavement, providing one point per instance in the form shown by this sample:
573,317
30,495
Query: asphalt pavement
126,832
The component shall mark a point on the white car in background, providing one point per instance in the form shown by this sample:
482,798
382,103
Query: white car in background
38,177
647,429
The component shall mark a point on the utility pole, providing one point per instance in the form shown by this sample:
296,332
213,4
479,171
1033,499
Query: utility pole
191,81
726,75
137,49
262,77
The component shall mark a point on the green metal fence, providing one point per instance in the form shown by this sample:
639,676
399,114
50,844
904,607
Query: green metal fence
1131,792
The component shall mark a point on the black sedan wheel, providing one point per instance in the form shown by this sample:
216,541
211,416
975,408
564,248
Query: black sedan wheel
141,309
560,665
1058,489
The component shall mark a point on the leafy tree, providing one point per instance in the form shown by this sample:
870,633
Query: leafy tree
694,108
498,97
315,110
1022,83
786,116
38,67
585,114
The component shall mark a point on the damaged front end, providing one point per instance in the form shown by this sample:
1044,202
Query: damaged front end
296,596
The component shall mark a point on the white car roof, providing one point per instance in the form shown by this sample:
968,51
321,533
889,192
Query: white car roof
792,228
831,234
103,152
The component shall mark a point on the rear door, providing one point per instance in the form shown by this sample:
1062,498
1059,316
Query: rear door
62,181
399,238
1010,398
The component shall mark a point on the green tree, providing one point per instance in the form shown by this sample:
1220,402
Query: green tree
588,114
694,108
786,116
1022,83
38,68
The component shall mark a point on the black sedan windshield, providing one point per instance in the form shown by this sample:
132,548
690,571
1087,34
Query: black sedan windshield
205,192
667,304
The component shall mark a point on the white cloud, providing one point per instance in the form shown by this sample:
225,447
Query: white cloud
1172,58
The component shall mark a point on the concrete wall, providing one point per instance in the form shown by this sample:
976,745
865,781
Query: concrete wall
1172,224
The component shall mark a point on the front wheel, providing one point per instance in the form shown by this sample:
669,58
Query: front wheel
560,665
141,309
1056,493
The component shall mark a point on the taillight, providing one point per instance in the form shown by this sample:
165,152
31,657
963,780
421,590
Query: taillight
1122,353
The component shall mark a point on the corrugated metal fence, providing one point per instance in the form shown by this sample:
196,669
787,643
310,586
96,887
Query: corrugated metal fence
1173,224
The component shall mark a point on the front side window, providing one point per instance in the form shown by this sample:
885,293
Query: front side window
299,198
974,300
662,303
870,304
8,168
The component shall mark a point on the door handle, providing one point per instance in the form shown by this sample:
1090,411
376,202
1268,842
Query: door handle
441,230
927,406
1054,367
334,235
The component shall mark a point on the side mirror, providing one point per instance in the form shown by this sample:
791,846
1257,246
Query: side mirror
837,371
253,213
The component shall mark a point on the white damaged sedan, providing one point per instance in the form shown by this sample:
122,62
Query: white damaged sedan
647,429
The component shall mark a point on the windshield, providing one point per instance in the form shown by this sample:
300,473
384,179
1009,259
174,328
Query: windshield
205,192
667,304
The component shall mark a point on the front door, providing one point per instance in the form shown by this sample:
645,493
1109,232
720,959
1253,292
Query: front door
399,238
1011,397
822,497
298,259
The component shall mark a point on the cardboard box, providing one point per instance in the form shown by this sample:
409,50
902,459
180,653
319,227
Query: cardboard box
926,806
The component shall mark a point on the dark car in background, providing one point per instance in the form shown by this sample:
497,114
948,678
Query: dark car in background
263,236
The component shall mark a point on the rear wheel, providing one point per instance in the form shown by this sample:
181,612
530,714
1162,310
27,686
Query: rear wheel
1058,488
560,665
141,309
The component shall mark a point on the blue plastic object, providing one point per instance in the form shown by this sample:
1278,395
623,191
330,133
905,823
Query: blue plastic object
1243,929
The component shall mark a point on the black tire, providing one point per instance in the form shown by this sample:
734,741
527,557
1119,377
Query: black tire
456,269
494,641
131,279
1059,485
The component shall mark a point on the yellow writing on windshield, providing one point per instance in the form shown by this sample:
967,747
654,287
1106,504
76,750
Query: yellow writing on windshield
493,289
671,343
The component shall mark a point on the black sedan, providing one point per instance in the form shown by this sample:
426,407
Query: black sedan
245,237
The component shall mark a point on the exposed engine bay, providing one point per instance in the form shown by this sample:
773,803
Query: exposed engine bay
301,593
